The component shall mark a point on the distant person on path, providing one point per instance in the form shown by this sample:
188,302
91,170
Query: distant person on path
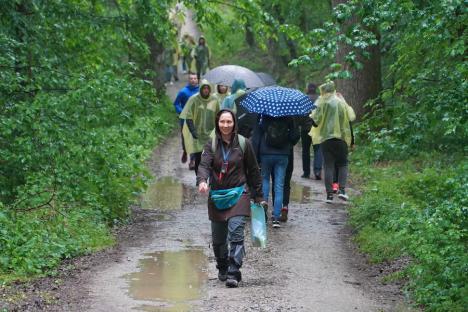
171,58
179,103
273,139
230,167
333,116
187,45
305,124
221,92
199,118
202,56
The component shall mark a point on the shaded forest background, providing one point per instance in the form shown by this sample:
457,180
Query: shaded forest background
83,104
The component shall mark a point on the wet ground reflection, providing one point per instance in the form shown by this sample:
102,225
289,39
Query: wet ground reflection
165,193
300,193
174,277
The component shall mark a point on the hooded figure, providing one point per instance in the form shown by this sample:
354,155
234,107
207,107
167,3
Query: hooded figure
199,114
221,92
230,169
332,116
237,89
202,56
333,132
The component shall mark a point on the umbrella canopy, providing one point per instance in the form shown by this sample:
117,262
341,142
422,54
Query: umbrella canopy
277,102
267,79
226,74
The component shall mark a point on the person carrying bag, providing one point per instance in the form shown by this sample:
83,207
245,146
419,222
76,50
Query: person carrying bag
230,173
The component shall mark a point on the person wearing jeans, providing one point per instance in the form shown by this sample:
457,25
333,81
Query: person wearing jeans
274,159
277,165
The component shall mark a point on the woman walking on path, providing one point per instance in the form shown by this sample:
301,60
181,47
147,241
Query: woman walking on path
333,132
230,168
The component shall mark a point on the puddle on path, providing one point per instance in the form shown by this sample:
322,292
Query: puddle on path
173,308
300,193
173,277
165,193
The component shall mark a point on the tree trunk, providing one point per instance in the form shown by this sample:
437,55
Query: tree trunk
249,35
366,82
156,63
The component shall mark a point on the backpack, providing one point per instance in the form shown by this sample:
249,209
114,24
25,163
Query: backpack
239,137
277,133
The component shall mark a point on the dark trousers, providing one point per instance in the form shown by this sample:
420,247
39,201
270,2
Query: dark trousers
335,153
306,143
228,243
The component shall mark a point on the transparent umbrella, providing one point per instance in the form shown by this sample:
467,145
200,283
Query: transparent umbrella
226,74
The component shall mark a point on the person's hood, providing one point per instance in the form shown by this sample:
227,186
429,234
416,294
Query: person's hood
203,83
238,84
218,115
201,37
327,87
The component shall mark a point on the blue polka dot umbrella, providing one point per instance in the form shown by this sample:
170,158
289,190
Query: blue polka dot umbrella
277,102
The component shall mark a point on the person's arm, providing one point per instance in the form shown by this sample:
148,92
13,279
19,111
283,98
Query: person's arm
205,167
351,113
191,127
254,179
178,102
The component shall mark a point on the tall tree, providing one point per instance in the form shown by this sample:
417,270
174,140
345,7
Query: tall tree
364,67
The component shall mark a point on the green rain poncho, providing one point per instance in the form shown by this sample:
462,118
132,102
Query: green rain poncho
202,112
237,89
221,96
332,116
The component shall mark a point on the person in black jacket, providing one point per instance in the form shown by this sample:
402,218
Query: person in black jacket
273,139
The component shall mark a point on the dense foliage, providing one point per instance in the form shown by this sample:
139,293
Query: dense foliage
416,208
79,115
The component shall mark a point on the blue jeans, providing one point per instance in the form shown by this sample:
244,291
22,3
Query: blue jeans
317,159
277,165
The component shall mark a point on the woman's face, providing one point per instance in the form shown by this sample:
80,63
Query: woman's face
222,89
226,123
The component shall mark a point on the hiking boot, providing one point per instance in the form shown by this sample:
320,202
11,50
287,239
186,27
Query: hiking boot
284,214
305,176
335,187
222,274
342,195
183,159
329,198
275,224
233,279
318,176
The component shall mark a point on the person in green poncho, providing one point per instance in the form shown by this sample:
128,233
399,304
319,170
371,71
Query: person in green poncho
199,115
222,92
202,56
332,117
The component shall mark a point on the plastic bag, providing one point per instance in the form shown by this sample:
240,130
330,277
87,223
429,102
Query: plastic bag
258,227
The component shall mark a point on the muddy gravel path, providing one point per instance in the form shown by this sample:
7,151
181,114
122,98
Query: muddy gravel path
309,264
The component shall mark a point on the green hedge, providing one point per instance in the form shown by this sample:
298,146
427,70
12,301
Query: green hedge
417,208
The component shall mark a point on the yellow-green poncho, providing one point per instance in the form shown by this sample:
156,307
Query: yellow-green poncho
202,112
332,116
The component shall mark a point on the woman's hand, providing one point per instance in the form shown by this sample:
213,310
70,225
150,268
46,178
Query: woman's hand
203,187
